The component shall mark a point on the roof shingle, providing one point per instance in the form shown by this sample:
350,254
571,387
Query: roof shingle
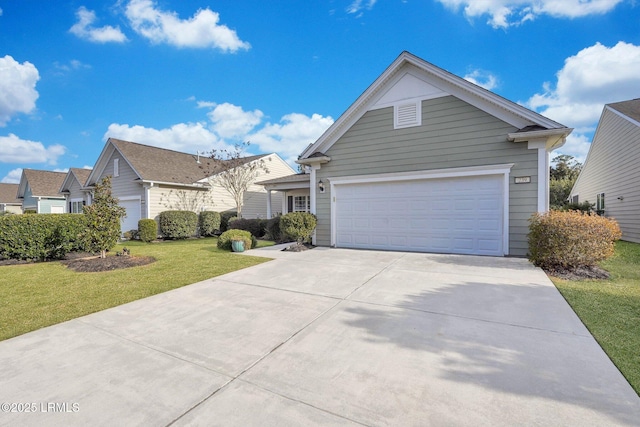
9,193
44,183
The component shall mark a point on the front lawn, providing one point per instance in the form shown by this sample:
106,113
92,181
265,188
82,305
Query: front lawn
611,308
33,296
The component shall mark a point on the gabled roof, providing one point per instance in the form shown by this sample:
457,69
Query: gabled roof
439,83
78,174
153,164
630,108
9,194
42,183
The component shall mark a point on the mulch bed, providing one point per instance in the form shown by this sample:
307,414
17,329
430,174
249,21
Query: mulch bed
88,263
295,247
97,264
580,273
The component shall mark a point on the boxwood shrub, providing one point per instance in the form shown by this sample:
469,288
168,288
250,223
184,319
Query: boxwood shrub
178,224
298,225
224,219
147,230
40,237
208,223
224,241
273,230
571,239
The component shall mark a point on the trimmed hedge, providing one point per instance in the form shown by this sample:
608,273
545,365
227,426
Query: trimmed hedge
209,223
40,237
257,227
178,224
224,241
147,230
224,219
571,239
273,230
298,225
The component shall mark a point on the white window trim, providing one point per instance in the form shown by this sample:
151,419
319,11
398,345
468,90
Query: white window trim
75,201
502,169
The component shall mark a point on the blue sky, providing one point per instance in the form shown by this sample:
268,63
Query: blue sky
200,75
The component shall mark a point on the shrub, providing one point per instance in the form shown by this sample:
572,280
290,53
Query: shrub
178,224
257,227
298,225
583,207
40,237
224,241
209,223
224,219
571,239
273,230
131,235
147,230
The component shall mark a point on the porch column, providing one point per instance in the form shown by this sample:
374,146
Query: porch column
268,204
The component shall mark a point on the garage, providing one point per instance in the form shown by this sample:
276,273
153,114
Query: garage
130,221
462,215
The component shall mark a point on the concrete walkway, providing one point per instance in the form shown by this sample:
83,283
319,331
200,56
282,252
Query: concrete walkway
326,337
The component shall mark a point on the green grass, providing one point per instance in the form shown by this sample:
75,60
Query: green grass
610,309
33,296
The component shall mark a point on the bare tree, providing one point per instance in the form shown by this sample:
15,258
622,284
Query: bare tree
236,173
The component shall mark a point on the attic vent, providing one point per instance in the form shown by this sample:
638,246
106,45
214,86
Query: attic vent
407,115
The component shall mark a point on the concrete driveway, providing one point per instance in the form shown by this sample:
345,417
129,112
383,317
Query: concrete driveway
328,336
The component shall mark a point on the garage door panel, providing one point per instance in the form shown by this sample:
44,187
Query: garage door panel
459,215
132,216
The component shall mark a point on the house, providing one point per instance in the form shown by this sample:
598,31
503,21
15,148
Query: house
9,203
610,177
149,180
426,161
39,191
74,190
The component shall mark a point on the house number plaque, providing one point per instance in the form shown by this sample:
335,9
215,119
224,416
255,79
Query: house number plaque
523,179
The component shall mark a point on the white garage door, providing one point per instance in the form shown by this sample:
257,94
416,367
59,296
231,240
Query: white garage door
130,222
452,215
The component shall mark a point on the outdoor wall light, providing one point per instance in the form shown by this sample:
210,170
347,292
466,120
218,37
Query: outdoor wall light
321,186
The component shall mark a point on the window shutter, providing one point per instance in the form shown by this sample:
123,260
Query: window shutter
289,204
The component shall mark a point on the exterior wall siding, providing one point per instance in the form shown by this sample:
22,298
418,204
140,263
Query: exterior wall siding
47,204
124,185
29,202
453,134
611,168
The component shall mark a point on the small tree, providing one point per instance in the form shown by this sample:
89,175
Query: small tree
235,173
103,219
563,174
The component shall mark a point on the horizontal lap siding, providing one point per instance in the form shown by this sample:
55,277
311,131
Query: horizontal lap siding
453,134
611,168
125,184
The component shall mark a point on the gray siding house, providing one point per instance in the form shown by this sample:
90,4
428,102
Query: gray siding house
74,190
39,191
149,180
426,161
610,177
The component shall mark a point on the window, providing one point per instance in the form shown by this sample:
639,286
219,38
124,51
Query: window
575,199
116,167
600,202
301,204
75,206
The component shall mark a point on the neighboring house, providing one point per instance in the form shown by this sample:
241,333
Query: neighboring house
426,161
74,190
9,202
295,194
39,191
610,177
149,180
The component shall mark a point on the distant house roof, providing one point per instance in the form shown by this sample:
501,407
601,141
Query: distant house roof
79,174
630,108
162,165
42,183
9,194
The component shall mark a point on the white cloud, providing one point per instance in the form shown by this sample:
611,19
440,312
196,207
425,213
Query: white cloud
18,92
483,79
291,135
577,145
359,5
84,29
16,150
231,121
595,76
200,31
185,137
505,13
13,177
